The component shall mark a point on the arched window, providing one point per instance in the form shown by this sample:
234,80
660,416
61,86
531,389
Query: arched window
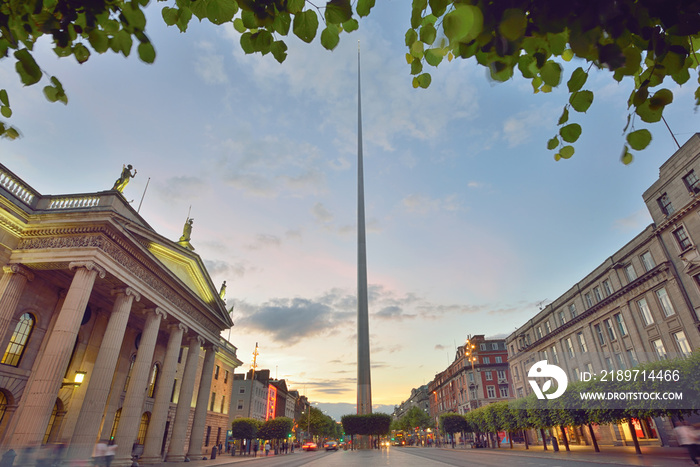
18,341
143,427
115,424
48,434
128,374
153,382
3,405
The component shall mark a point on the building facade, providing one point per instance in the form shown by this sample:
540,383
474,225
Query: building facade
89,290
420,397
639,305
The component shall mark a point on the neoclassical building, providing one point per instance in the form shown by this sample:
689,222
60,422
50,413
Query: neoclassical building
90,291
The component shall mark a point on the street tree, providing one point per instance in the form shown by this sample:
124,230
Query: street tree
647,42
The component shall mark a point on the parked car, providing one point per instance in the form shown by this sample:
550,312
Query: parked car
310,446
331,446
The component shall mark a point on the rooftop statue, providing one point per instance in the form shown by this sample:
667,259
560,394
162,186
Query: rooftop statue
187,234
123,180
222,292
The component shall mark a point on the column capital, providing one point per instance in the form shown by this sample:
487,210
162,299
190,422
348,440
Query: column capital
211,346
90,266
127,291
179,326
16,268
157,311
201,341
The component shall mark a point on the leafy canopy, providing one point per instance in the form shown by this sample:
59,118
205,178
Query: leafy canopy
647,41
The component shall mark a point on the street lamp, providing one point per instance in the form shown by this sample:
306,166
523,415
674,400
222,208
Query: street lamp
77,380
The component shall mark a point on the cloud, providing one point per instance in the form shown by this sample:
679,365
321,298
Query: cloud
441,347
264,241
182,188
634,222
321,214
210,66
224,268
519,128
392,313
422,204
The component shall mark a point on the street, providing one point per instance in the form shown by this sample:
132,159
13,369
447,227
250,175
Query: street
421,457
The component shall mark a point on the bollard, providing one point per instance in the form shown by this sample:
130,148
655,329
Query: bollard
213,452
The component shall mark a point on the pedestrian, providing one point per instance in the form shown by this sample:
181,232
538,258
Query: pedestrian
110,452
267,448
687,437
98,455
255,448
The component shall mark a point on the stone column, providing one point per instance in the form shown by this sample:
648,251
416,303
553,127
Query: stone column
44,383
12,285
176,449
200,411
130,418
154,436
100,382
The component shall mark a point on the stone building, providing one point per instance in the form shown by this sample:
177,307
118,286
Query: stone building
478,376
89,290
639,305
420,397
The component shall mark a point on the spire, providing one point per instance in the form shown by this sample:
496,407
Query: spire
364,385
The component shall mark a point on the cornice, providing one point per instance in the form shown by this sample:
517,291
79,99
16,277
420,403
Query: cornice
676,216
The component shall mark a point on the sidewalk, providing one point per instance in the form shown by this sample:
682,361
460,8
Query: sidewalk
623,455
226,458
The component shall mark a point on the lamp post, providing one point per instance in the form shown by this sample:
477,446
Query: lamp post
77,380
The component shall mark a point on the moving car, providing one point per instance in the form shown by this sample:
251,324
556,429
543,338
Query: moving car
310,446
331,446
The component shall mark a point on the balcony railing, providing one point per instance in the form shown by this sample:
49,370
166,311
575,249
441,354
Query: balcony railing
16,187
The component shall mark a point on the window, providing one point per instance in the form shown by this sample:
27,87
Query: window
555,359
218,435
471,377
213,401
665,204
607,288
665,301
501,374
49,427
572,310
547,327
486,360
582,342
153,381
494,346
520,393
18,341
489,376
512,349
682,343
659,349
610,329
544,354
589,368
632,356
621,324
692,182
472,393
216,372
620,361
539,332
577,374
645,311
562,318
569,347
599,333
206,440
589,300
172,396
143,427
179,356
241,391
682,238
482,346
3,405
225,376
491,391
648,261
240,404
609,364
504,391
499,359
598,296
115,423
630,272
128,373
223,403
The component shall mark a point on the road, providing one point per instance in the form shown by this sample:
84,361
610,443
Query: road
429,457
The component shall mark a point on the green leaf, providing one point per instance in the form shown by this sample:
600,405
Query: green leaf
239,26
553,143
170,15
577,80
330,37
464,23
249,20
147,53
262,41
567,55
566,152
81,53
570,133
581,100
29,72
422,80
411,37
295,6
220,11
660,99
416,67
564,116
639,139
649,114
6,111
51,93
247,43
417,49
557,43
338,11
626,157
551,73
305,25
3,97
434,56
279,50
513,24
364,6
99,40
428,34
351,25
438,7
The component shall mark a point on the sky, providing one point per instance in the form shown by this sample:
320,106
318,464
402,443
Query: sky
471,223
